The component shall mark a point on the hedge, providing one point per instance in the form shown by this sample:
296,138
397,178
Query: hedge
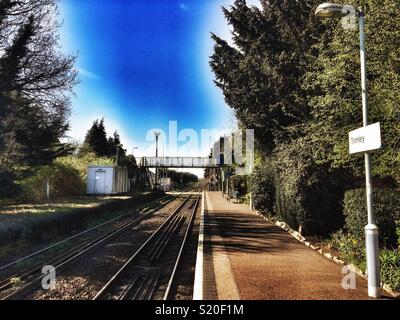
262,187
390,268
308,195
386,210
66,176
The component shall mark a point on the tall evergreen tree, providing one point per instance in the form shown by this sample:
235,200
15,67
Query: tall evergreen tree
35,80
9,69
296,81
116,148
261,74
96,139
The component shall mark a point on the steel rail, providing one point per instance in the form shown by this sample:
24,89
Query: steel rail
88,230
81,251
7,282
75,236
184,242
168,226
70,259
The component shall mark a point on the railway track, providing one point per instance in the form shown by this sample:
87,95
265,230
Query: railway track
82,243
151,270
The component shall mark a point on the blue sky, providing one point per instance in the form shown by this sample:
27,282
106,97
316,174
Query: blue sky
143,63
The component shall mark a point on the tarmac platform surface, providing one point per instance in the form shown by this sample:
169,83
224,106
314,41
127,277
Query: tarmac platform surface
245,257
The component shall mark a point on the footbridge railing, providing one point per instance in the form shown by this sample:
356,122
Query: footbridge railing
177,162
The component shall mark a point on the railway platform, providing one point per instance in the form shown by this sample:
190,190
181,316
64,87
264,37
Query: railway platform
241,256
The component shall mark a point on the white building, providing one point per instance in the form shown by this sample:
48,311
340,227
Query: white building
106,180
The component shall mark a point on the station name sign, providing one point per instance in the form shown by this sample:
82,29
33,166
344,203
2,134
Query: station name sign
365,139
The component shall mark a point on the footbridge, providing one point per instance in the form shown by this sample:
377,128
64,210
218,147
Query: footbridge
178,162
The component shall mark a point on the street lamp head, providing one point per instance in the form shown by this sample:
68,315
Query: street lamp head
332,10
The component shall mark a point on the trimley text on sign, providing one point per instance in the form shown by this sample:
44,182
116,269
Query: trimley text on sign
365,139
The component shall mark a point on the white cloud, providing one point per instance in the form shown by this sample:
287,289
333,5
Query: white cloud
87,74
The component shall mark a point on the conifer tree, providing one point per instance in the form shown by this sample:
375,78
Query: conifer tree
116,150
96,139
35,82
261,75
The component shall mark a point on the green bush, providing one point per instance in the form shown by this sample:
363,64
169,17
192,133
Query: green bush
81,162
351,243
398,233
308,194
351,248
66,176
262,187
390,268
63,181
386,209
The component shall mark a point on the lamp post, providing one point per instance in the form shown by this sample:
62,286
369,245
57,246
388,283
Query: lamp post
157,134
117,156
135,169
330,10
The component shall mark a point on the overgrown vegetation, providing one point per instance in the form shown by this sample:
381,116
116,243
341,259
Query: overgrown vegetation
262,187
386,210
65,177
390,268
350,241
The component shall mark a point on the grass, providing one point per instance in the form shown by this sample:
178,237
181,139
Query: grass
22,215
20,218
27,225
17,211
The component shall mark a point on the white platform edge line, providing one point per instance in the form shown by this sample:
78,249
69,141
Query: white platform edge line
198,276
182,193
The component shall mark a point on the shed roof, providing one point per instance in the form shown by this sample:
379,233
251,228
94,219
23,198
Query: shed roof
106,166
